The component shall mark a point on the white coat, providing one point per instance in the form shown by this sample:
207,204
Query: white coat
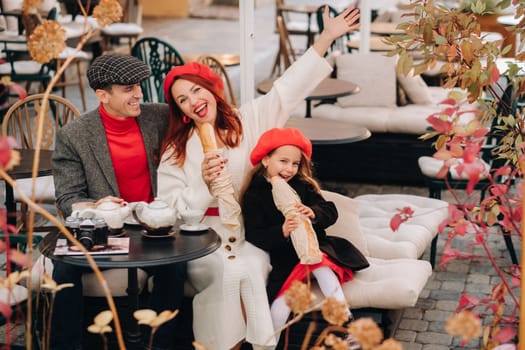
237,269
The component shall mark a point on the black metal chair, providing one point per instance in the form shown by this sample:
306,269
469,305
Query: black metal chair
218,68
160,56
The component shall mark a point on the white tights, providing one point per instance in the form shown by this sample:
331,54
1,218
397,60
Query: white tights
329,284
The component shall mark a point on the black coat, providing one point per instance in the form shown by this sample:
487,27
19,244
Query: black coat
263,223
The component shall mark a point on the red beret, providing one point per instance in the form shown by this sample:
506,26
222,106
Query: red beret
277,137
193,68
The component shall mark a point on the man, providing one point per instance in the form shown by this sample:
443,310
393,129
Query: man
111,153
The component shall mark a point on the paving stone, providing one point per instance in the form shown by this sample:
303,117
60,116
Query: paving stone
413,313
478,279
433,284
413,325
482,269
437,315
434,338
425,293
459,267
434,347
446,305
445,295
451,276
437,326
478,288
494,280
405,335
453,286
425,303
411,346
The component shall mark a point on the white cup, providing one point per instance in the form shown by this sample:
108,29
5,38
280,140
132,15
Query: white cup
78,207
192,217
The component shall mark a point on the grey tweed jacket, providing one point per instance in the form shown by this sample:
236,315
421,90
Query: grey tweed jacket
82,167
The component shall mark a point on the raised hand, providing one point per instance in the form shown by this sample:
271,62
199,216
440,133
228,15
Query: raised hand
345,22
334,27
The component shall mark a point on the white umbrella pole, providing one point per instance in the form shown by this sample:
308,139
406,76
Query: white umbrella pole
247,14
364,30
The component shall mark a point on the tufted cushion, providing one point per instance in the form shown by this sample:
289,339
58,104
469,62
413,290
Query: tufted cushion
117,279
21,67
9,5
347,225
375,75
122,29
44,188
413,237
11,21
389,284
430,166
70,51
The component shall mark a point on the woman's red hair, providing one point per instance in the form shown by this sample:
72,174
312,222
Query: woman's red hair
178,133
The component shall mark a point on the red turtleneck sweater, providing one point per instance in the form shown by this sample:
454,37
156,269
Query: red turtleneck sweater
128,154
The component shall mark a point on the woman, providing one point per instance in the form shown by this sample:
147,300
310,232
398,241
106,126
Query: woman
231,303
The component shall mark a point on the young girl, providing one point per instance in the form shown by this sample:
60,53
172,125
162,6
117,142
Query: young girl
285,154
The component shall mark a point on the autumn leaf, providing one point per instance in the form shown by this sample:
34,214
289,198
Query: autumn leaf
395,222
466,300
504,335
440,125
6,310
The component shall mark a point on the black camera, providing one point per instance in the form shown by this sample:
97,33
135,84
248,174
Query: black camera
89,232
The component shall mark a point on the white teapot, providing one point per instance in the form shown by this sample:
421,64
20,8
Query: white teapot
113,213
156,217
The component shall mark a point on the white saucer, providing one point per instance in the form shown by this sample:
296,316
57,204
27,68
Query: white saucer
198,227
169,235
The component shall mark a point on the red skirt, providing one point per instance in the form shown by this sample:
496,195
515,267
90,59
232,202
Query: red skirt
300,272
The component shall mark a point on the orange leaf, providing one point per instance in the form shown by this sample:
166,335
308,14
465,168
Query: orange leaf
494,74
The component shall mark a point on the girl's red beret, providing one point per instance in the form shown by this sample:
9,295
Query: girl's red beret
277,137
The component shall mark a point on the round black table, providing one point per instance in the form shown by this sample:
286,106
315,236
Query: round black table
23,171
143,252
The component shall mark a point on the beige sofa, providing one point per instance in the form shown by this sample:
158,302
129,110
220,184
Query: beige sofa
393,107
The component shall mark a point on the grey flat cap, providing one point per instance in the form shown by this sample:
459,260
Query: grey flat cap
107,70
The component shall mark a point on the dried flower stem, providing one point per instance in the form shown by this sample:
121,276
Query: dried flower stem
327,331
308,336
36,208
297,318
521,331
31,202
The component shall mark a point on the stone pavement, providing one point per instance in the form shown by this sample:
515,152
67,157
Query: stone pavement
418,328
